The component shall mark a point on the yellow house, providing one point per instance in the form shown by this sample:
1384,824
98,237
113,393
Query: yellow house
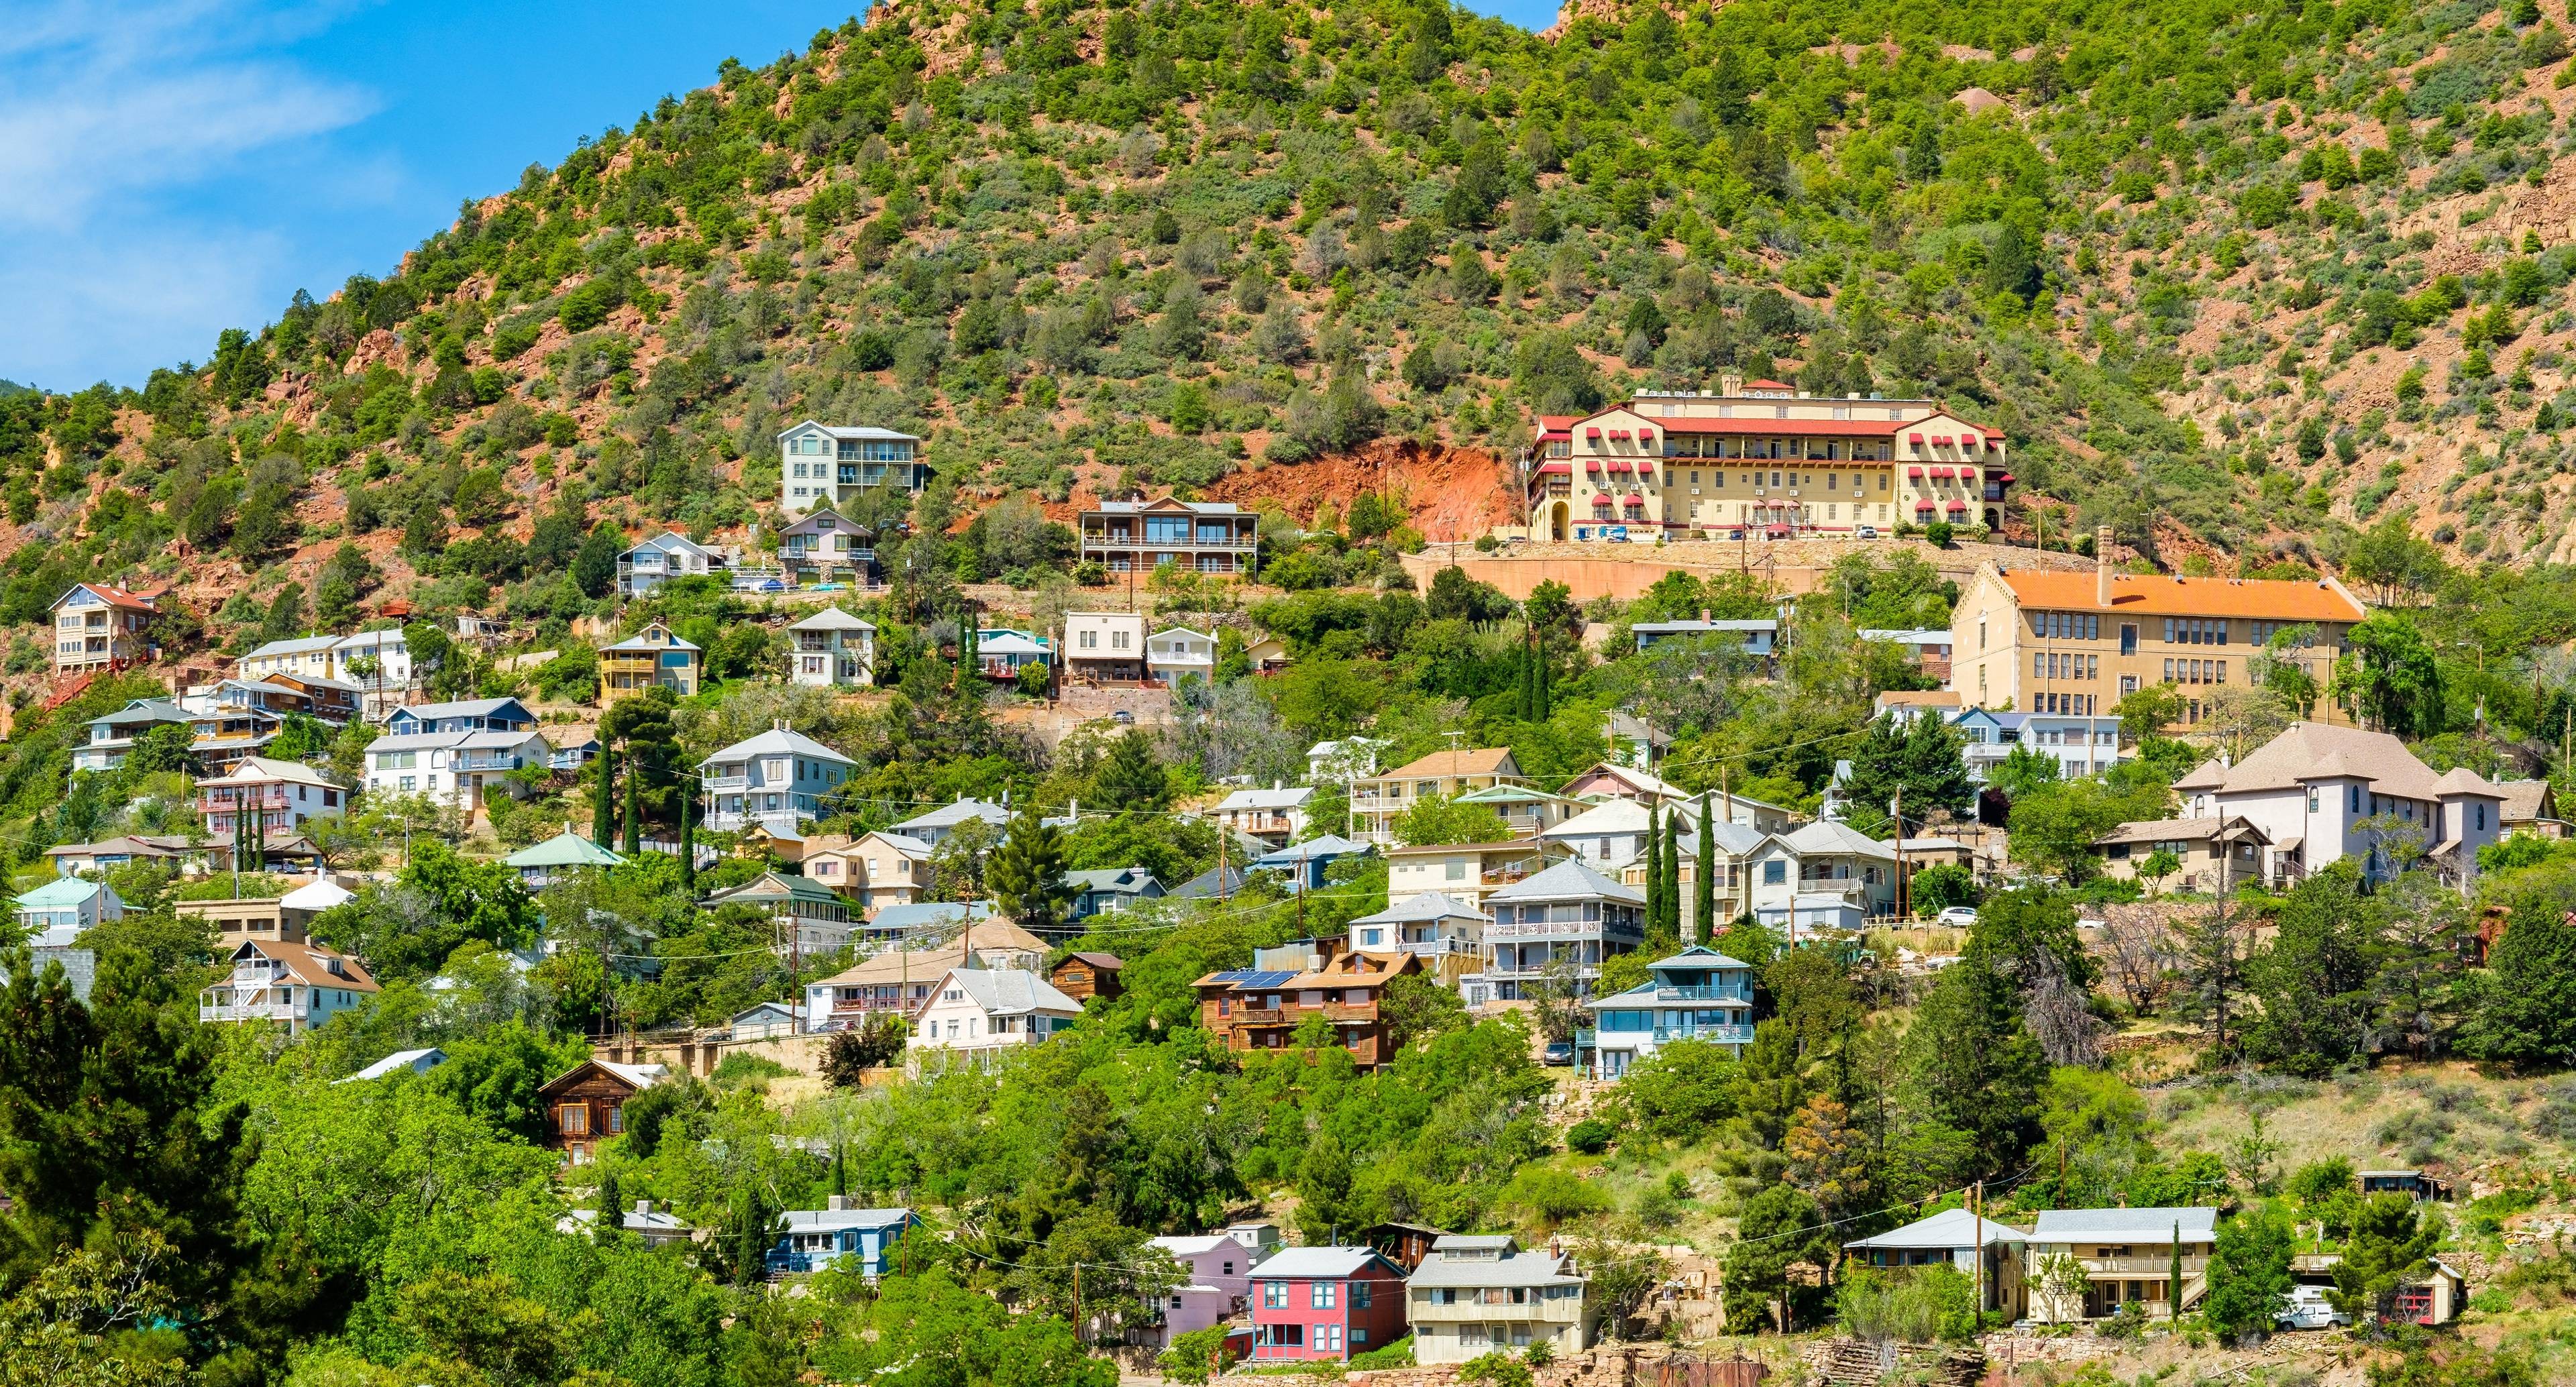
1377,799
649,657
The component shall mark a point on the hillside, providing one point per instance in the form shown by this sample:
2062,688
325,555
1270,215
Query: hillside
2236,280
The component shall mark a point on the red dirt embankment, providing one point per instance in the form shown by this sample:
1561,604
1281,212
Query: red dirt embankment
1448,493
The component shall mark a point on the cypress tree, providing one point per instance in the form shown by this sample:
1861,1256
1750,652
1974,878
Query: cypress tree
1706,884
603,800
611,1203
632,843
1654,869
688,846
1673,873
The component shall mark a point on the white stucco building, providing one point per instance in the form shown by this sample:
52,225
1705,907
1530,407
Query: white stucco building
774,779
2321,793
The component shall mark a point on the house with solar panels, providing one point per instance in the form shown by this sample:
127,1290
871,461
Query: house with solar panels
1262,1007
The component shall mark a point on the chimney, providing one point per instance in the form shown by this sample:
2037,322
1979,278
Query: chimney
838,1203
1730,383
643,1206
2102,565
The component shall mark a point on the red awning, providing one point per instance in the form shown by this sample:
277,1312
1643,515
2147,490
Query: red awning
1940,474
1592,433
2001,477
1778,532
1967,474
1632,499
1923,505
1971,440
1592,464
1621,465
1601,500
1559,469
1646,436
1914,473
1958,505
1914,438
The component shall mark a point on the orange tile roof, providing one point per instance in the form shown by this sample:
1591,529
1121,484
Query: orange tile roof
1919,698
2266,599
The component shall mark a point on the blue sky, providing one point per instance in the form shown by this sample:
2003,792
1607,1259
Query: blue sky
170,168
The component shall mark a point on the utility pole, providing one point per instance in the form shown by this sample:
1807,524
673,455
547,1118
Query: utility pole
1977,1220
1896,811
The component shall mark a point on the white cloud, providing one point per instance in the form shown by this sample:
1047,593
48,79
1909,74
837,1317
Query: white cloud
113,117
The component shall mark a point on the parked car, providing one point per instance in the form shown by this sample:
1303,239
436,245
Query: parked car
1866,532
1123,718
1960,916
757,582
2309,1309
1559,1052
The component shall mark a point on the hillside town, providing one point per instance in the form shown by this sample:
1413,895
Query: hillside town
678,852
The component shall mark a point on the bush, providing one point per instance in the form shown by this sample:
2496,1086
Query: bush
1914,1305
1590,1137
738,1069
1190,1354
870,1045
1395,1355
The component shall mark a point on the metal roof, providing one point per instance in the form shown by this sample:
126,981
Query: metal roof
2125,1225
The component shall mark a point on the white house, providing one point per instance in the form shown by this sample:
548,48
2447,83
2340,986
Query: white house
1697,994
1956,1238
1431,925
283,794
2128,1257
1557,925
302,985
1216,1271
1824,858
1104,646
1176,651
832,649
2322,793
1276,816
646,567
1342,760
103,626
309,656
379,663
461,770
775,778
1476,1294
1612,832
106,739
979,1012
827,465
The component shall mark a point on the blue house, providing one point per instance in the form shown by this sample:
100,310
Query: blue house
1110,889
1304,863
860,1240
1697,994
472,715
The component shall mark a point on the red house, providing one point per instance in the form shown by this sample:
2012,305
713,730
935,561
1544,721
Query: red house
1325,1302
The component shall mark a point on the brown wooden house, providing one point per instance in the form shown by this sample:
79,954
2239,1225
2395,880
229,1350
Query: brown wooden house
1260,1009
1404,1244
1087,975
587,1106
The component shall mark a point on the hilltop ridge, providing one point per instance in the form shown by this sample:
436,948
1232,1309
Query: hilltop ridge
2237,307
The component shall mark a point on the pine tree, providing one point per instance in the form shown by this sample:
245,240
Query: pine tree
2525,1013
603,800
1706,883
1026,875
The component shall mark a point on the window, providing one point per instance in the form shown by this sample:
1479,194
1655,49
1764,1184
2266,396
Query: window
1774,872
2480,811
573,1119
616,1118
1274,1295
1359,1295
1321,1295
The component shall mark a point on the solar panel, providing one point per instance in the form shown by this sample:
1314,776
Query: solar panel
1273,978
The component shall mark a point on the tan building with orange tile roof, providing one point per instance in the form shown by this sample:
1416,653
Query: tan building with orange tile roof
2077,643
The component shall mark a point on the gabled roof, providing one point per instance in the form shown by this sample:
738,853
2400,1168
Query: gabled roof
778,741
1329,845
143,710
60,893
772,886
1309,1262
317,896
2526,800
461,708
398,1061
853,432
1285,797
2180,831
1617,814
831,619
838,1220
1569,880
951,815
302,645
310,964
1446,1267
1168,504
670,541
114,596
903,843
1829,836
1123,881
1111,963
637,1076
1950,1228
842,524
1482,761
1423,908
1008,992
2157,594
931,914
638,641
258,768
565,849
2124,1225
2310,751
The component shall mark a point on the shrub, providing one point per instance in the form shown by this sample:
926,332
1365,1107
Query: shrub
871,1045
1395,1355
1914,1305
1590,1137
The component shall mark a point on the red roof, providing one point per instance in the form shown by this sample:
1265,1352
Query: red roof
1842,428
1555,467
115,596
1768,385
1556,423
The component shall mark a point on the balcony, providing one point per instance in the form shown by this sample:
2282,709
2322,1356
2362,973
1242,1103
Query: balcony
2142,1266
1703,994
722,783
233,801
1563,929
1259,1016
